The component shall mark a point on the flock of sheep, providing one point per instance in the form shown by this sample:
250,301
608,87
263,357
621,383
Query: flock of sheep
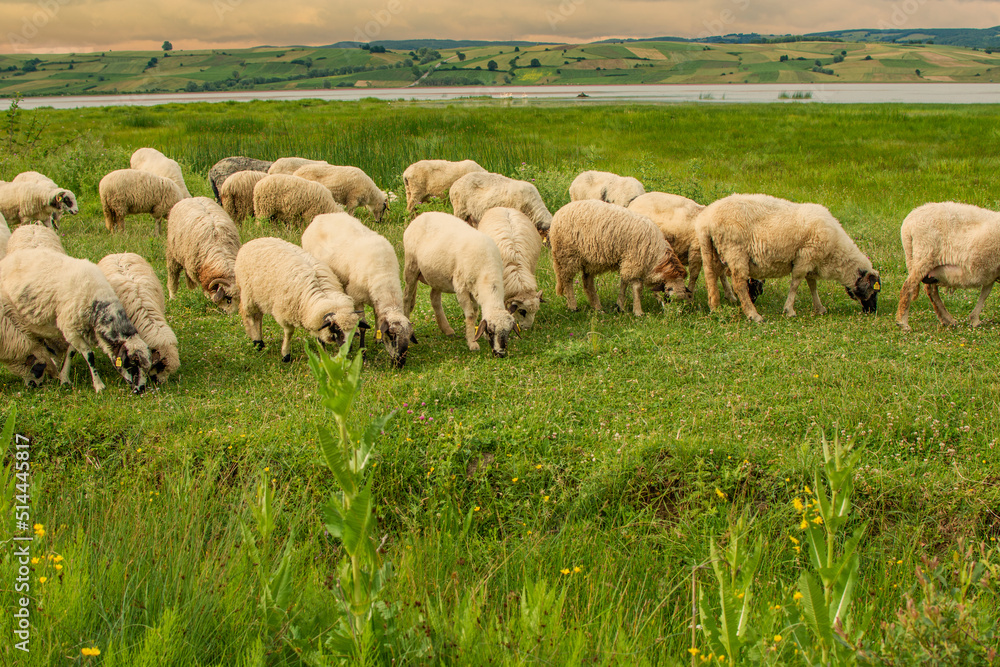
52,305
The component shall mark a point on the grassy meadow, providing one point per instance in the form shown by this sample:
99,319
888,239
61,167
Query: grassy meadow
547,508
284,68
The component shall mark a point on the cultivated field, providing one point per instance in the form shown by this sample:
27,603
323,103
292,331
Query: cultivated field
548,507
271,68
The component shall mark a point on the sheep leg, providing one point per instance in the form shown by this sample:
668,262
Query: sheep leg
471,309
974,318
694,268
173,277
253,321
727,290
712,275
570,292
157,221
620,303
739,280
64,371
411,275
286,343
793,287
818,308
909,292
590,290
81,346
943,315
637,298
439,316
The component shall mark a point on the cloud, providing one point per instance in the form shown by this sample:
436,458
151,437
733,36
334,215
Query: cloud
82,25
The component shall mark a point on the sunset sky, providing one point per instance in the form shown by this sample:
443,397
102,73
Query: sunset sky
87,25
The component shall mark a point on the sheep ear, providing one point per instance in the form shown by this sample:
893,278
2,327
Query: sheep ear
517,329
541,299
154,357
413,339
512,308
327,321
480,330
364,326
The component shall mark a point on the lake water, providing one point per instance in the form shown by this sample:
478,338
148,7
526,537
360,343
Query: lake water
849,93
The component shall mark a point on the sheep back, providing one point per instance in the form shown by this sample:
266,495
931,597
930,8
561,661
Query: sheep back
155,162
433,178
236,193
202,241
474,194
290,199
133,191
289,165
605,186
350,186
675,216
952,244
520,246
34,236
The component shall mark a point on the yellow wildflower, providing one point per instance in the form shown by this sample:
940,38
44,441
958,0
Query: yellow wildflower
90,652
42,580
720,493
58,567
804,524
577,569
798,505
476,508
546,499
808,490
794,541
514,479
34,561
899,562
538,467
798,596
818,520
777,638
565,570
693,651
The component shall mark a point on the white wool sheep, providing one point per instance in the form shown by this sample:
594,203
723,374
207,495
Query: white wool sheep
519,245
367,267
28,202
433,178
445,253
236,194
4,236
758,236
34,236
202,242
228,166
351,187
281,279
949,245
68,205
289,165
595,237
290,198
474,194
155,162
58,298
20,353
605,186
141,294
132,191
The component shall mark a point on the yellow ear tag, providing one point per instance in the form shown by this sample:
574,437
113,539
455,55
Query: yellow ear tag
118,362
877,286
518,327
378,334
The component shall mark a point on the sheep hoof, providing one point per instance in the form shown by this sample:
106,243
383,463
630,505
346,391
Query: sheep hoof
975,323
474,347
904,327
259,344
287,358
819,311
757,318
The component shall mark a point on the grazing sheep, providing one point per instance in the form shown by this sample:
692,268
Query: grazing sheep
4,236
519,245
228,166
474,194
605,186
290,199
757,236
58,298
236,194
595,237
155,162
351,187
202,241
20,353
34,236
289,165
366,265
433,178
132,191
445,253
68,204
28,202
949,245
298,290
675,216
137,287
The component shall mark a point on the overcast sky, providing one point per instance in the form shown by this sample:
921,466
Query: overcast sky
85,25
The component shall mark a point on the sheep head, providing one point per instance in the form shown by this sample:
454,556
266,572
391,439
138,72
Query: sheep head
379,208
669,276
497,327
224,294
865,290
65,201
396,336
132,361
336,326
524,309
755,288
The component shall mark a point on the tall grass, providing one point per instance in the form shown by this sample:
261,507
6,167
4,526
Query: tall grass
596,460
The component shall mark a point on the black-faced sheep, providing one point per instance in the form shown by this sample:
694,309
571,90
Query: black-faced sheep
605,186
595,237
228,166
433,178
139,290
451,257
155,162
28,202
60,299
474,194
291,199
132,191
281,279
66,205
366,265
949,245
351,187
519,245
202,242
758,236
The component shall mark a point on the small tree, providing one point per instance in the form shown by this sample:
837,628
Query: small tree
167,46
461,56
492,65
535,62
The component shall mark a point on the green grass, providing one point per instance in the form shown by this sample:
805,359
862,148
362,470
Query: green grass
618,431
